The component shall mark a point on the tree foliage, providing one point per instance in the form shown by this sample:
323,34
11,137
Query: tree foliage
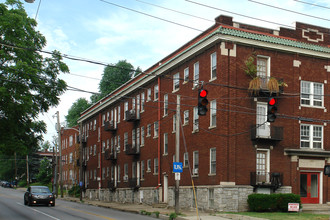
113,77
77,107
45,172
29,82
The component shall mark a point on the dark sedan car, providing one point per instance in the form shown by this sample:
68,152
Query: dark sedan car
39,195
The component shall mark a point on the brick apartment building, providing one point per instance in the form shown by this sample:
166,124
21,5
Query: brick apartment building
70,156
129,137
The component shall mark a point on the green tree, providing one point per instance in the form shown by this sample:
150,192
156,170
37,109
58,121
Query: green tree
29,82
113,77
77,107
45,172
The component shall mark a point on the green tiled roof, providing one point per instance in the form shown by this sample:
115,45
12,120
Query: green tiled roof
271,39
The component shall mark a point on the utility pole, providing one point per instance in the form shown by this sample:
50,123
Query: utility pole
177,152
27,170
80,161
15,178
60,149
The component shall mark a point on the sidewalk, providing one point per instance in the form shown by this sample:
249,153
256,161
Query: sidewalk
164,212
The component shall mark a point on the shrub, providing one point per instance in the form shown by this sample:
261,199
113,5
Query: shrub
272,202
74,191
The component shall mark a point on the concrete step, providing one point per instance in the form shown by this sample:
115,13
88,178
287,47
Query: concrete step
160,205
316,208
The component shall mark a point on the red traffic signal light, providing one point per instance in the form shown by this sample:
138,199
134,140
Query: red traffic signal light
271,109
202,101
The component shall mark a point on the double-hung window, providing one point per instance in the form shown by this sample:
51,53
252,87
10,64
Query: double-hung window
213,113
311,94
185,117
155,129
196,119
186,75
213,160
142,101
176,81
263,70
156,92
165,143
213,66
311,136
195,163
196,74
165,104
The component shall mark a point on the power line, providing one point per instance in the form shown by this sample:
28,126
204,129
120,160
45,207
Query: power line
159,18
272,6
307,3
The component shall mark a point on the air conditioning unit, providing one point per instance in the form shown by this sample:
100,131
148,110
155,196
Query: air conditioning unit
125,178
195,171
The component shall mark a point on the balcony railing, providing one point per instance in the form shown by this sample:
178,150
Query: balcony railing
83,139
264,88
133,183
131,115
275,134
132,150
272,180
110,126
109,155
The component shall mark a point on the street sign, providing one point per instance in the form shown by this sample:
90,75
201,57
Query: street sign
177,176
177,167
80,183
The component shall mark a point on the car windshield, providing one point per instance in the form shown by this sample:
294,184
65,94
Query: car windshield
40,190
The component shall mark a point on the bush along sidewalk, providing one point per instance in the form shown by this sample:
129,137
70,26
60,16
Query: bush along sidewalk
272,203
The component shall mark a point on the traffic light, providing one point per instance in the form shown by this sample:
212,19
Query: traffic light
202,101
271,109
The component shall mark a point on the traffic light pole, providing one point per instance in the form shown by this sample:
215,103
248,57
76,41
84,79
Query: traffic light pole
177,152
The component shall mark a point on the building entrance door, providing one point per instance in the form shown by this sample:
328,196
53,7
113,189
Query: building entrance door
310,187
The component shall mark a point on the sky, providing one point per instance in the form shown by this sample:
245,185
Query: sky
142,32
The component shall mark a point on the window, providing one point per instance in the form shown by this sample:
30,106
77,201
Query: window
118,142
142,169
138,106
186,75
262,126
71,157
125,140
195,163
70,140
118,114
125,172
94,149
142,101
103,173
156,92
196,74
174,122
133,103
185,117
176,81
108,171
103,119
311,94
148,130
94,174
138,137
311,136
213,113
125,109
149,94
103,146
118,173
262,166
134,170
108,143
156,129
211,198
196,119
185,159
142,135
213,160
149,165
213,65
133,138
112,173
165,143
156,166
263,70
165,104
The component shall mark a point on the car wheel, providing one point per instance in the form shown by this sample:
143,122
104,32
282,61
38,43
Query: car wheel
29,203
53,204
25,202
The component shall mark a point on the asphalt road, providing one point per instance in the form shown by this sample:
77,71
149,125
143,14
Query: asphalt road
12,207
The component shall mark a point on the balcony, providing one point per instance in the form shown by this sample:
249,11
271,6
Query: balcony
110,126
131,116
84,164
133,183
275,134
266,86
132,150
109,155
112,186
83,139
266,180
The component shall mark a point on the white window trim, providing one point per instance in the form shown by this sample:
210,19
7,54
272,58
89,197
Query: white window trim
211,65
213,110
195,84
211,174
186,70
176,81
311,99
311,126
267,159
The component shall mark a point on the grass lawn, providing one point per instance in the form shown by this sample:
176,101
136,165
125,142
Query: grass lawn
282,216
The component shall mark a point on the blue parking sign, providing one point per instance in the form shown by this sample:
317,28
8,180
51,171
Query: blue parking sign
177,167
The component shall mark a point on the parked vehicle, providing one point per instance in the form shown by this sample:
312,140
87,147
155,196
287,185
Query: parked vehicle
6,184
39,195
